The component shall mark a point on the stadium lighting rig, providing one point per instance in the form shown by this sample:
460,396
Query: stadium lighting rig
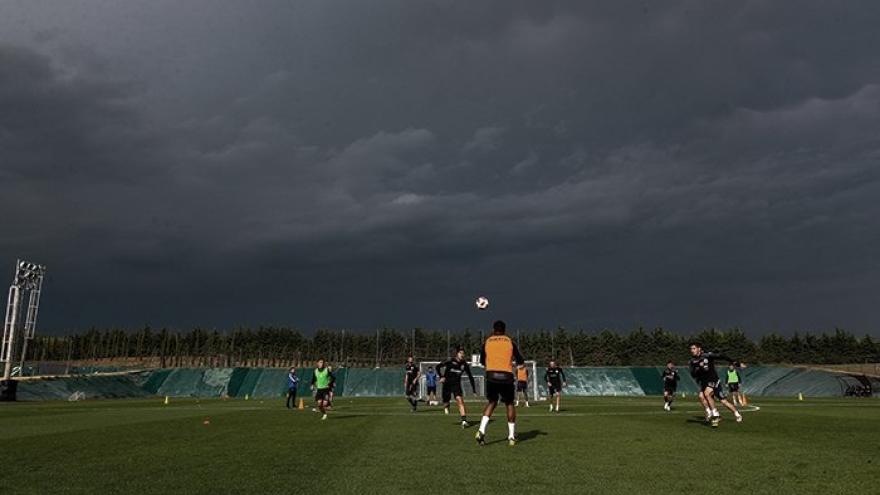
28,279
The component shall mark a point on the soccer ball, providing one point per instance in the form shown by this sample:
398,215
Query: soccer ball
482,303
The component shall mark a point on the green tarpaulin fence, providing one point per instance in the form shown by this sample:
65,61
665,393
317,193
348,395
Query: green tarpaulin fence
596,381
84,387
388,382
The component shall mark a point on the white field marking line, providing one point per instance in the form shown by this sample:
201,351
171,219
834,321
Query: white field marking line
526,415
207,407
824,404
740,409
522,415
441,415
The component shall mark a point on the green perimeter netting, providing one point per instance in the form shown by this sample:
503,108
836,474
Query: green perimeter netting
377,382
84,387
595,381
388,382
811,383
651,381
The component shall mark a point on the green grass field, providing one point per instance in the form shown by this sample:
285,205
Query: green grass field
595,445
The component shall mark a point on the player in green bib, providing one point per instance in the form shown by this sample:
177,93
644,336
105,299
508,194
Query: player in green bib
322,381
733,383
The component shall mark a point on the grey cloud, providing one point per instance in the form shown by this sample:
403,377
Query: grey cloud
583,163
485,139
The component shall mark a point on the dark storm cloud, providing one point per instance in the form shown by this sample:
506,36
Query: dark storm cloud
364,163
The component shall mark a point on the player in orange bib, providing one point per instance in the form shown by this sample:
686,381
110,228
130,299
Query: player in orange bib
497,355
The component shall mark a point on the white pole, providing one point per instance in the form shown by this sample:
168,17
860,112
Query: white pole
24,346
9,330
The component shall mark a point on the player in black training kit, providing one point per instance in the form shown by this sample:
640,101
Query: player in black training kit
450,376
703,370
670,383
555,378
411,383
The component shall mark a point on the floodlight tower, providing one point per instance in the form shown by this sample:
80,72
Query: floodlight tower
28,278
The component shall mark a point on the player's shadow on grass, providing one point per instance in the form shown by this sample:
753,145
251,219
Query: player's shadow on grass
699,420
338,416
522,437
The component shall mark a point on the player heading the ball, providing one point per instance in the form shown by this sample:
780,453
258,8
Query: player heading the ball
496,355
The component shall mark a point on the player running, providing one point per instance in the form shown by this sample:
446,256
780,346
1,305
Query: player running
670,383
555,378
411,383
322,382
497,354
703,370
450,376
331,394
522,384
431,386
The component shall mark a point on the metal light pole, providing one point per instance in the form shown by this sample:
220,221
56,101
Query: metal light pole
30,322
9,330
28,277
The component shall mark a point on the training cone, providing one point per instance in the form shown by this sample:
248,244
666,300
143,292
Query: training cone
166,400
800,396
301,405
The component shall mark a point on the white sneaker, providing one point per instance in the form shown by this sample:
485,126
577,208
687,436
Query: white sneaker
666,406
527,404
739,418
551,407
324,417
445,410
557,409
464,424
516,404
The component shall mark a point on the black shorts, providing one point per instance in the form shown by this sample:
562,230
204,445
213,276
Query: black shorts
322,394
451,390
521,386
669,390
555,388
432,390
733,387
500,390
717,389
412,390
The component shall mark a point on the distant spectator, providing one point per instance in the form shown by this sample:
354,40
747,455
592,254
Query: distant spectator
292,384
431,386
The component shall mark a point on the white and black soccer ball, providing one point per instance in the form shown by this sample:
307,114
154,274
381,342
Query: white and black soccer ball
482,303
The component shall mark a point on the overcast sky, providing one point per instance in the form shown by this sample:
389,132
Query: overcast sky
363,163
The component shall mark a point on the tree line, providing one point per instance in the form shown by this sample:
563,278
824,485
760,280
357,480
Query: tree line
280,346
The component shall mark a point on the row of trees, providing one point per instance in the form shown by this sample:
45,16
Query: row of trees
277,346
